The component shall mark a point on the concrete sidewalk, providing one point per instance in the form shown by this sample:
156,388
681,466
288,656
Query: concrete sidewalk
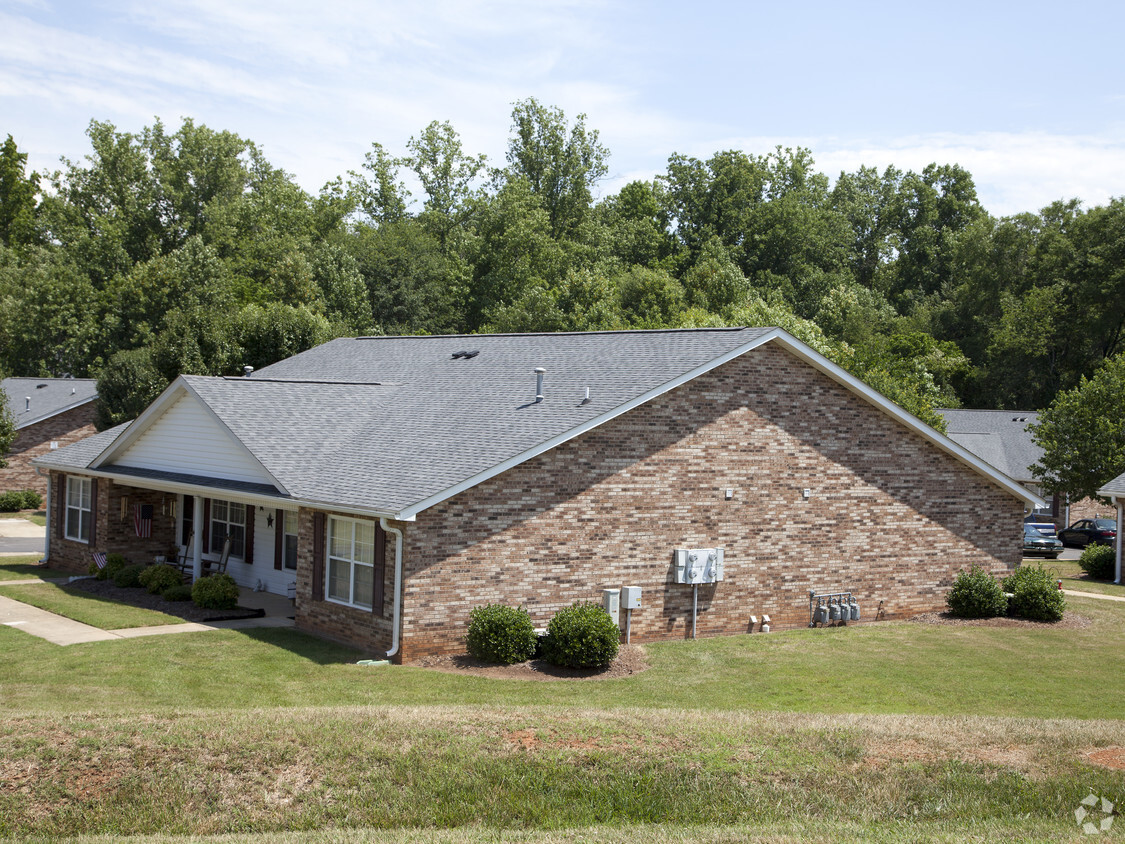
19,536
64,631
1093,595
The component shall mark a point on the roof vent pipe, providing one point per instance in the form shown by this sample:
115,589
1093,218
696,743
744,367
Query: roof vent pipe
539,372
247,371
27,402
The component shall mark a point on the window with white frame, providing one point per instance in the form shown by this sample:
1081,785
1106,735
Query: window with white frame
289,546
351,561
228,518
79,509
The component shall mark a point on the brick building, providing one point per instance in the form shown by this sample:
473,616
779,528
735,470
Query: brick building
394,483
50,413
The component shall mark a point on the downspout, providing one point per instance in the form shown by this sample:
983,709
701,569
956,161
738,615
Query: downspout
47,534
398,585
1120,511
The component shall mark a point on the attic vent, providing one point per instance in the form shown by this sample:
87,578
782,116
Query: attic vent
40,386
1019,418
466,355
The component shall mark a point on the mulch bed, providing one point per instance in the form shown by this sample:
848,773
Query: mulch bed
1070,621
630,660
141,598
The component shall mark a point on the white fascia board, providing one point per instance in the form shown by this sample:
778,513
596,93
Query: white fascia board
800,350
154,411
545,446
846,379
28,423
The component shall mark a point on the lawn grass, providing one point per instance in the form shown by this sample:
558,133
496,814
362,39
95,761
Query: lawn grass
1073,577
38,517
543,768
94,610
27,568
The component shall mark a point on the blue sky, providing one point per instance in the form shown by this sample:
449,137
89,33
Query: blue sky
1029,97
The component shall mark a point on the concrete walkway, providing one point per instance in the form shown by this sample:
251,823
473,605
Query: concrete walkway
1093,595
19,536
64,631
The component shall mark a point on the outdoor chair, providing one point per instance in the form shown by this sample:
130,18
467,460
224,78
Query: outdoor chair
184,562
219,567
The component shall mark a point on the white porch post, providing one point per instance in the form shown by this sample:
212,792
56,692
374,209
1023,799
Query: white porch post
1120,510
197,546
50,524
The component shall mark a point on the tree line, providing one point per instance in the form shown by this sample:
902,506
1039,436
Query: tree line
165,252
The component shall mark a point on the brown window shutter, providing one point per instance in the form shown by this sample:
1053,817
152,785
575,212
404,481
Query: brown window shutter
318,557
60,511
206,527
380,566
278,538
93,511
248,545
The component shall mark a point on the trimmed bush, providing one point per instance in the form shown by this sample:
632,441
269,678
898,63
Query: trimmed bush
976,594
113,564
19,499
32,500
1035,596
128,577
179,592
216,592
156,579
501,634
581,636
1099,561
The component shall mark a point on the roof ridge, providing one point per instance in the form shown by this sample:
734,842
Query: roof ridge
629,331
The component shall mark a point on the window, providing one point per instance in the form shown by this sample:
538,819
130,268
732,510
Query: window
228,517
289,545
351,561
78,509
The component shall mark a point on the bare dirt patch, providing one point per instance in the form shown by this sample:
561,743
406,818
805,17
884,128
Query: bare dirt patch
1070,621
1109,757
631,659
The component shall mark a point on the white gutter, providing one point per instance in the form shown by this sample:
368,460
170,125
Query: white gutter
398,585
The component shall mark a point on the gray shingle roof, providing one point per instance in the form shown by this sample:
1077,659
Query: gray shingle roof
35,399
79,455
1114,487
999,437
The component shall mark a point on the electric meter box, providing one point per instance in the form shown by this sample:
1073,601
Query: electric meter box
630,597
611,600
699,565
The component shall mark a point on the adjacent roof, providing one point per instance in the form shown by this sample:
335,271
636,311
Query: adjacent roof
35,399
394,425
999,437
1116,487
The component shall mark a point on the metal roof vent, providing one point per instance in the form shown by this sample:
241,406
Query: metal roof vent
247,371
27,403
539,373
40,386
466,355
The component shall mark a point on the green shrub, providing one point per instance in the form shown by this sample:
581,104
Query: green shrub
179,592
1035,596
976,594
128,577
581,636
32,500
1099,562
501,634
113,564
11,502
216,592
156,579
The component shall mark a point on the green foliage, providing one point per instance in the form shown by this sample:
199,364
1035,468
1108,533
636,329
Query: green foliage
1081,434
179,592
215,592
127,385
128,576
1035,595
7,428
1099,561
113,564
581,636
19,499
500,634
976,594
18,190
158,579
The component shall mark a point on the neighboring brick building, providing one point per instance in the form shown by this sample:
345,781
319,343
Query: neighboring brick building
396,483
50,413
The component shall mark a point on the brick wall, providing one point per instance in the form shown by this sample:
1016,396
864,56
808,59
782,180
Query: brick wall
112,534
890,517
35,440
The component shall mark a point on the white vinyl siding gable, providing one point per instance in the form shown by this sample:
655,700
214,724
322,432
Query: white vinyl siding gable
188,439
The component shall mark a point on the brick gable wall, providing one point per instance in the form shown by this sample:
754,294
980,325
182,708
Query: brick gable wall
890,517
35,440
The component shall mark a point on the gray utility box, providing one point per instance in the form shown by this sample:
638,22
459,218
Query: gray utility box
699,565
630,597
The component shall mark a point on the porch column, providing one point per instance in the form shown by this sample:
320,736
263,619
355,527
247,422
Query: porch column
197,546
1120,512
47,534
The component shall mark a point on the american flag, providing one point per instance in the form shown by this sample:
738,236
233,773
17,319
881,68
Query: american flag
99,559
142,520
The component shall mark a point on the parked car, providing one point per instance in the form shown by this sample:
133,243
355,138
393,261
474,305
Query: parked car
1089,532
1043,527
1038,544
